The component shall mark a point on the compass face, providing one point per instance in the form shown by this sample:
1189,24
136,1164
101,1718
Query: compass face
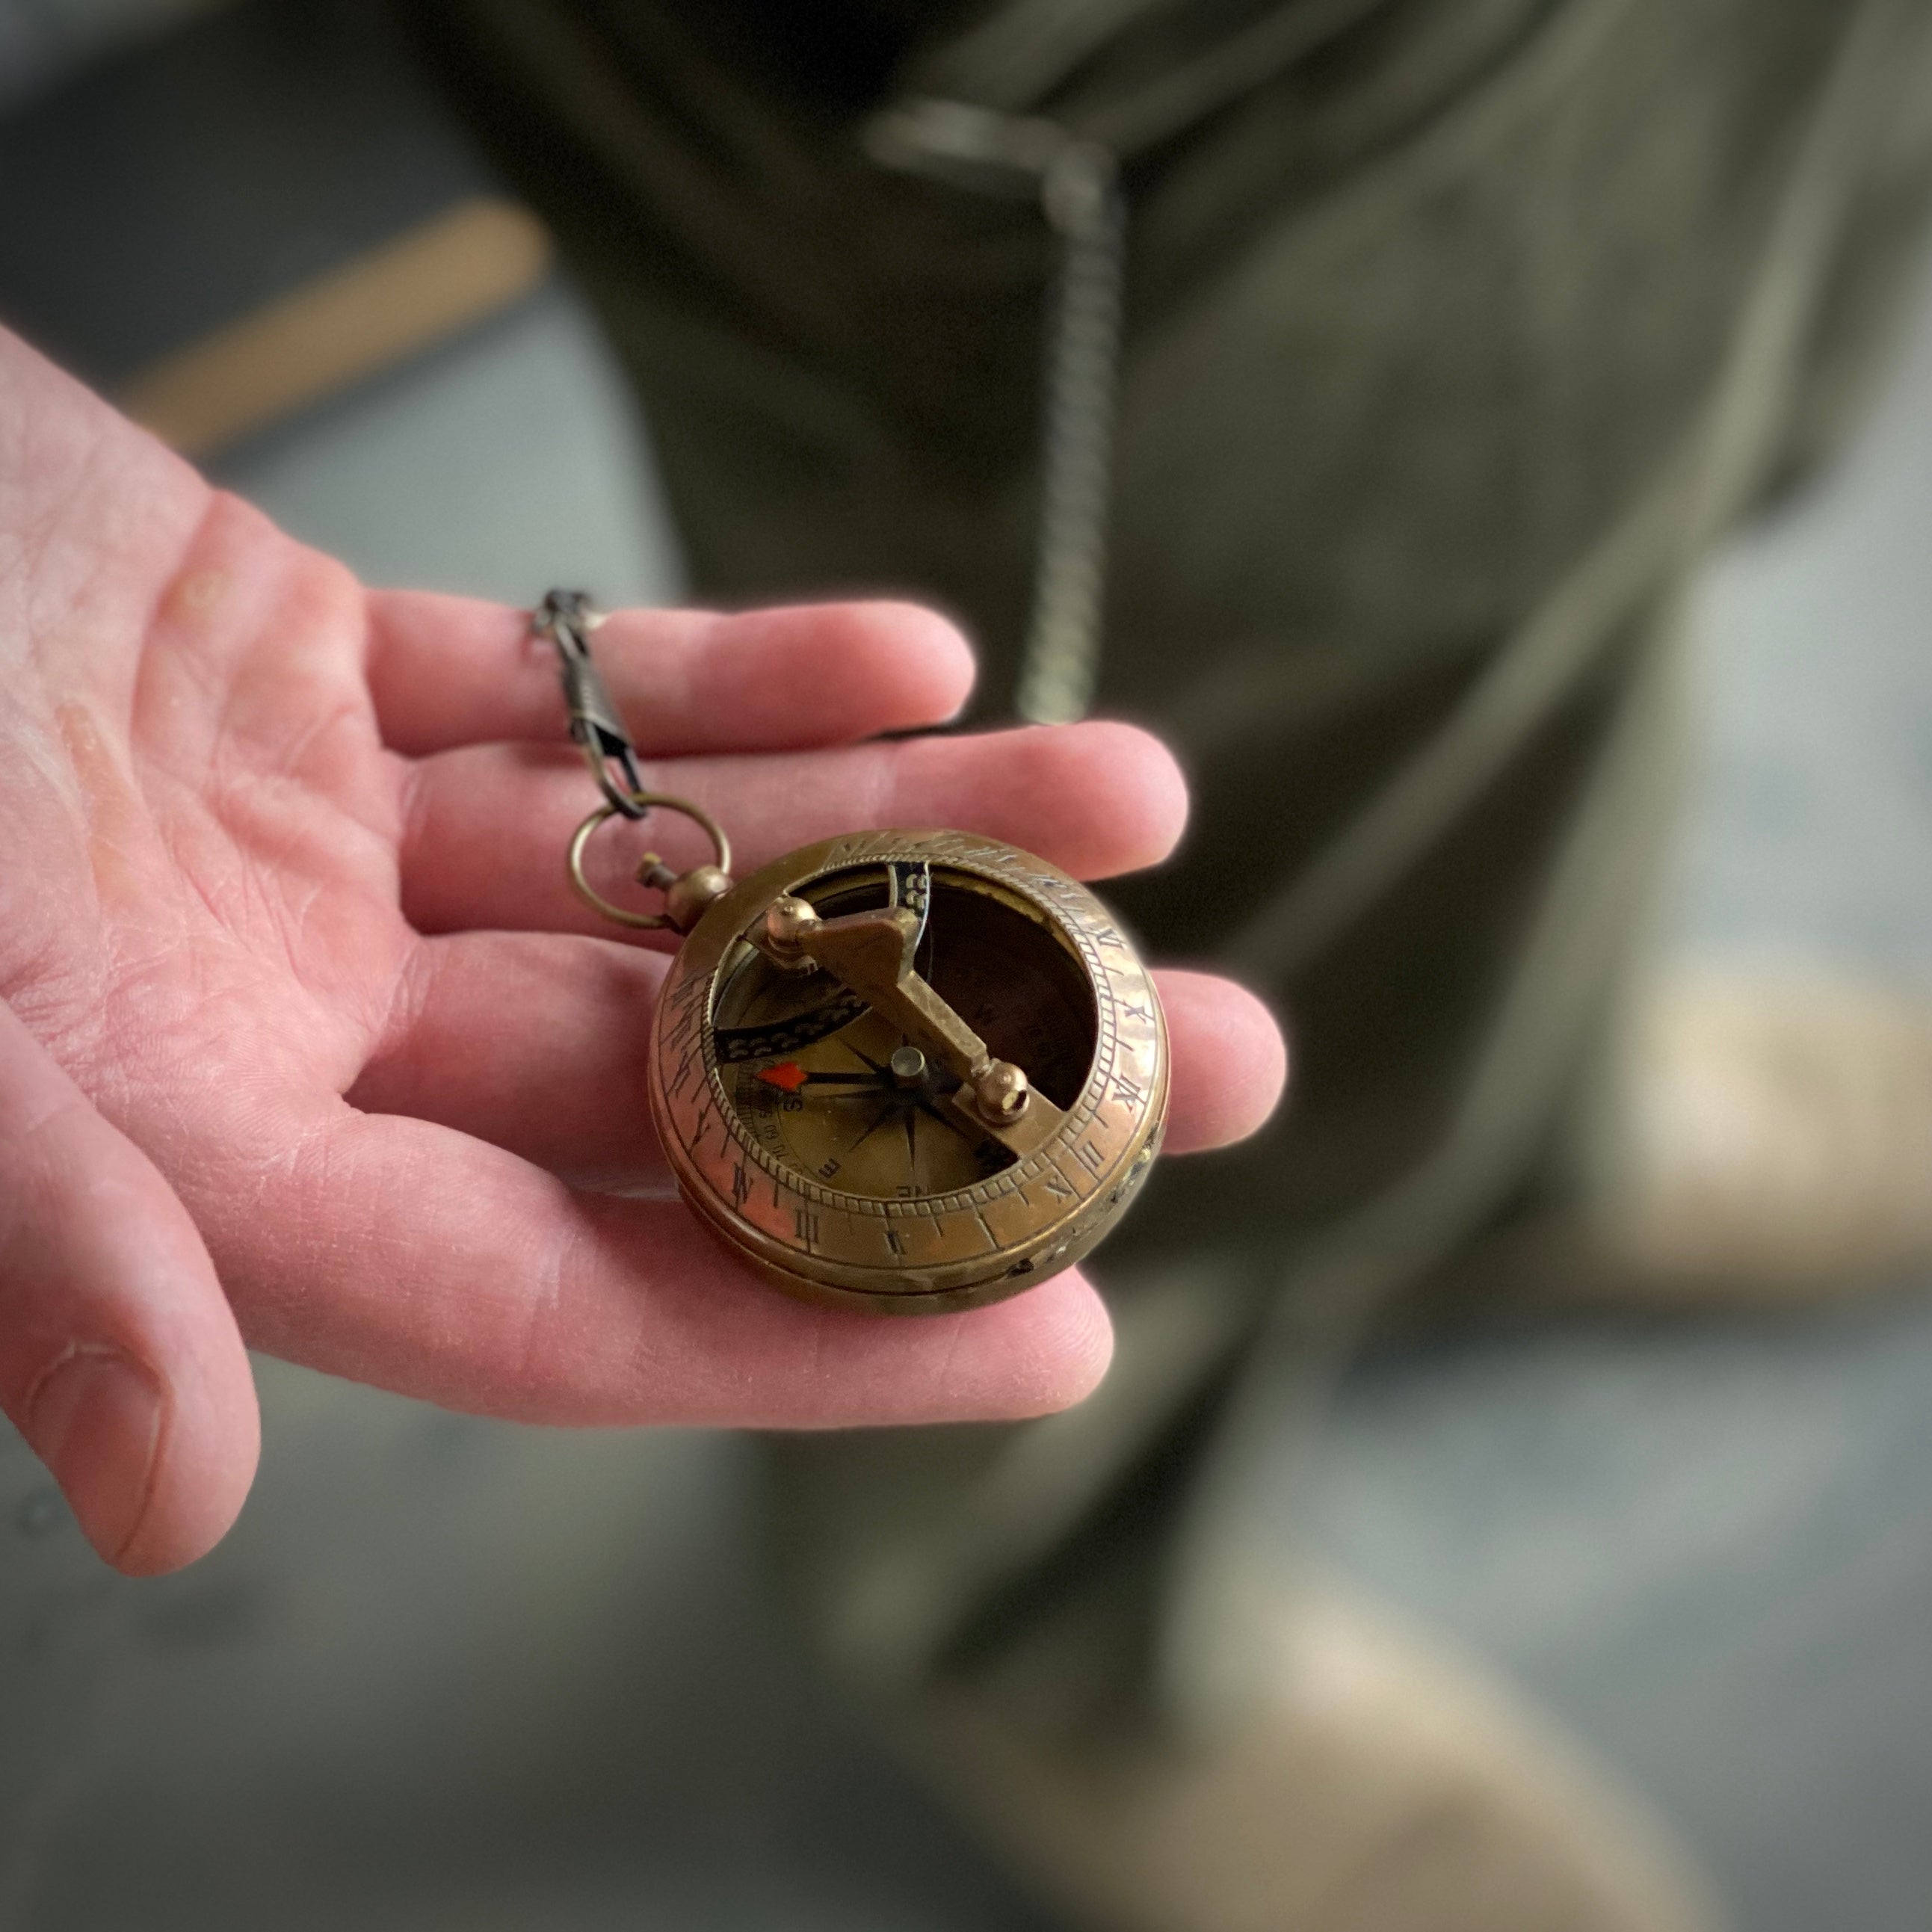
840,1109
842,1160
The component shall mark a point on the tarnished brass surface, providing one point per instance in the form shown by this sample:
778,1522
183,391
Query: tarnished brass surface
850,1131
685,898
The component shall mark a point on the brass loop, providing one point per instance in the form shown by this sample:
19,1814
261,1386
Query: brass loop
644,801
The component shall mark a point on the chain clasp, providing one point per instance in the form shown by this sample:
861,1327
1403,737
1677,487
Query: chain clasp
567,618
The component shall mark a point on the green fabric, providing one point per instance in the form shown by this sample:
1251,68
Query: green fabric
1458,330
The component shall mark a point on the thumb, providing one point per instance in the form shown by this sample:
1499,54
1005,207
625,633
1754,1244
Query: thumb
120,1361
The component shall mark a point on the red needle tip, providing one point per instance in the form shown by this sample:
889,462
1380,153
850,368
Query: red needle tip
788,1074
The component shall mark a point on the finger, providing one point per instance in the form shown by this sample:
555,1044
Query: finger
120,1362
534,1042
487,827
445,671
397,1253
1230,1061
537,1043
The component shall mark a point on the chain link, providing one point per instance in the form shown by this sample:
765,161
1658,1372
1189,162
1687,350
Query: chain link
1077,183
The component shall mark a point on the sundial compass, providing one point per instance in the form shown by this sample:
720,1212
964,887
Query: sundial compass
905,1070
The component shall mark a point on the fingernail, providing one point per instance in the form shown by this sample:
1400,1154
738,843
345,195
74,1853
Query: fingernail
95,1421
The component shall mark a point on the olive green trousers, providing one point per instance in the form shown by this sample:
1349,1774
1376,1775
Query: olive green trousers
1456,333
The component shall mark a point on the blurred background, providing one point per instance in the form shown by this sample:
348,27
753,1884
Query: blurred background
1704,1543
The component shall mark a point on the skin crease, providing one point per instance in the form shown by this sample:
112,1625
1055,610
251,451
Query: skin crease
305,1045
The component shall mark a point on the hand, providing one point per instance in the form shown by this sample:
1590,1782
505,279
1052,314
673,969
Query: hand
310,1046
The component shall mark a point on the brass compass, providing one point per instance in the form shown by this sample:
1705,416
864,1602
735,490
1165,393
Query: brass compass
900,1070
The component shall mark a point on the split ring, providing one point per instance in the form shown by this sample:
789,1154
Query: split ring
645,922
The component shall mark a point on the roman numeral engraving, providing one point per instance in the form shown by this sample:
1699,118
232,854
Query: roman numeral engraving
858,846
687,1009
687,1070
1091,1158
689,991
1055,1186
806,1222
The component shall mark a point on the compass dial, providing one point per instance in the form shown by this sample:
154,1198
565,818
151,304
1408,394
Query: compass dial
835,1109
838,1113
845,1162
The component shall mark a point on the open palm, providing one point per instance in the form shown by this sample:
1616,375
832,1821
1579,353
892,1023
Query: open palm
310,1044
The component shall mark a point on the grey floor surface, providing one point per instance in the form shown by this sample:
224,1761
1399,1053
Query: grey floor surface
427,1685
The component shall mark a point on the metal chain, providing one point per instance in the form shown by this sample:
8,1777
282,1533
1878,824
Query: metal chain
567,618
1061,665
1077,183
